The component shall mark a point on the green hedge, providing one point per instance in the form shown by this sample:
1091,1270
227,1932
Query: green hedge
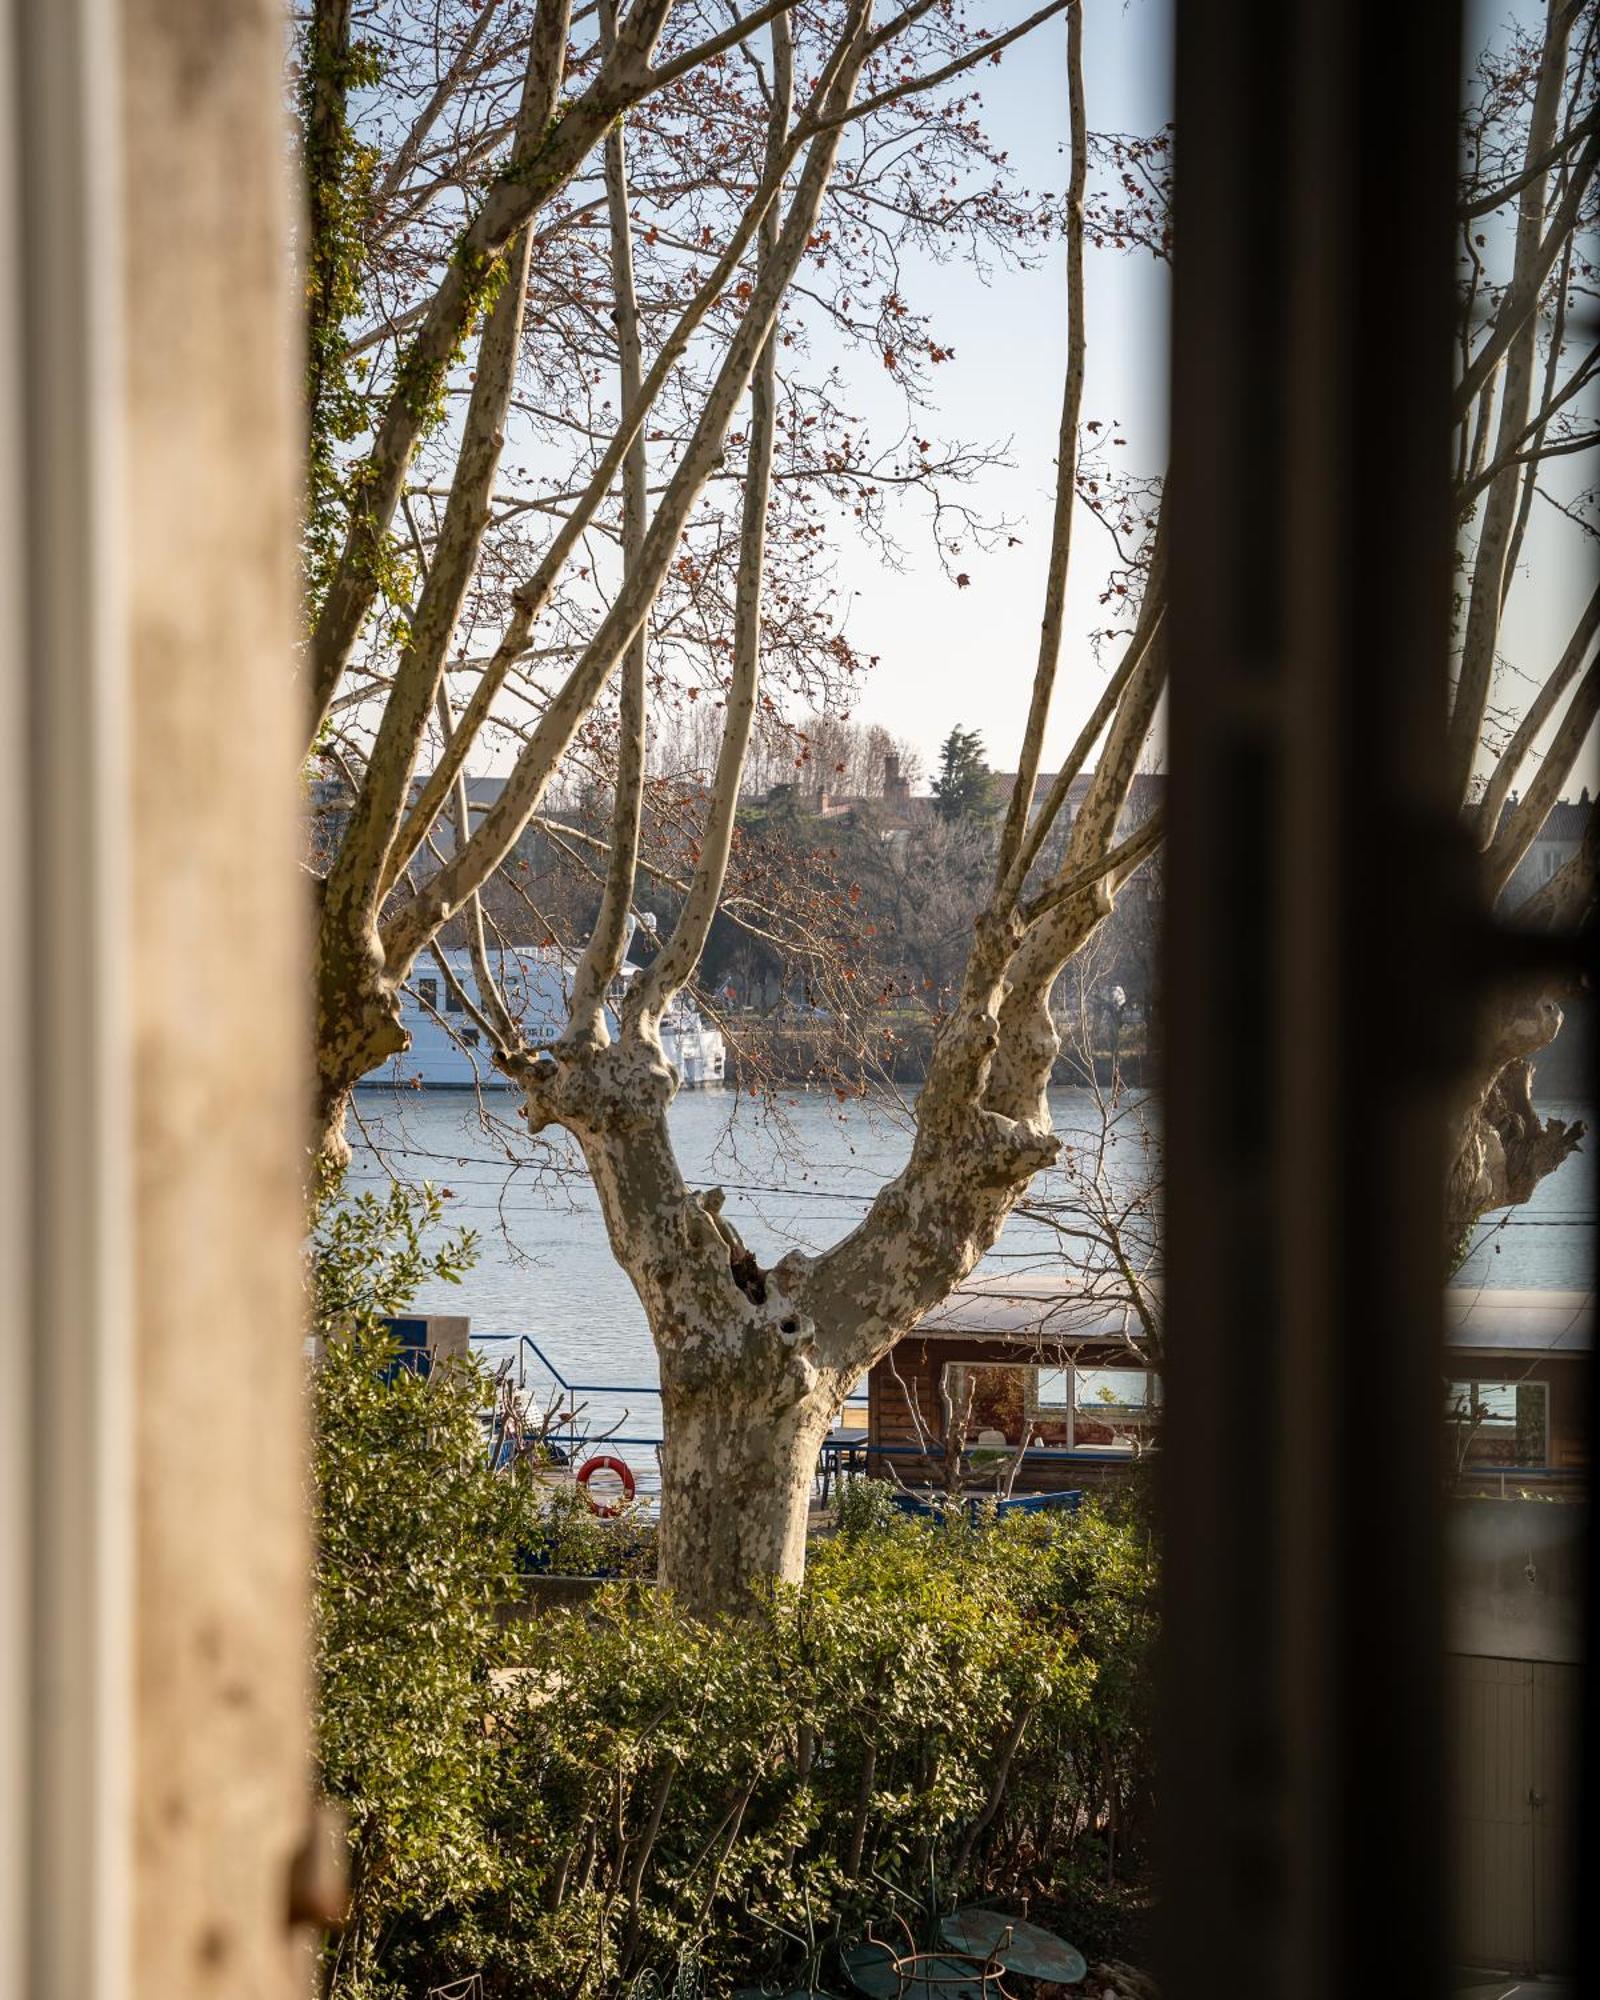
563,1803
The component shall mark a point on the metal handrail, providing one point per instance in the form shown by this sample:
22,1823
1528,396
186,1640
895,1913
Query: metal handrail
857,1399
1076,1453
527,1341
567,1435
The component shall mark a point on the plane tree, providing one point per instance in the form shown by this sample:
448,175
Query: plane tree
608,232
1527,369
755,1362
1526,437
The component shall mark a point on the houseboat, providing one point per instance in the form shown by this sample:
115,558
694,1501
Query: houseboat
449,1051
1029,1364
1037,1366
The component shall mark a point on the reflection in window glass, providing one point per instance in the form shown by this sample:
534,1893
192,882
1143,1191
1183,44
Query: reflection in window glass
1113,1409
428,992
1499,1423
1122,1390
992,1399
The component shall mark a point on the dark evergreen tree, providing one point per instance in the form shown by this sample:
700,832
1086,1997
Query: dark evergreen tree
964,788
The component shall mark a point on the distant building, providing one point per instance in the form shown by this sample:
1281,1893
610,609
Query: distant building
1559,839
891,812
1145,794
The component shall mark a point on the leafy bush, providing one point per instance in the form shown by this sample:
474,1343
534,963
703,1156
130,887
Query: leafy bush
958,1707
415,1538
865,1507
568,1538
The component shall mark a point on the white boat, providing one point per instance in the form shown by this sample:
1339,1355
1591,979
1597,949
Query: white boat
450,1052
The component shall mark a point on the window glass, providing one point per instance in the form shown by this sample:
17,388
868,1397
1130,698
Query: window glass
1053,1388
1498,1423
992,1399
1119,1389
1113,1408
428,992
453,1002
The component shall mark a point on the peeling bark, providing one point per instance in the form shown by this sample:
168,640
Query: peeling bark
755,1363
1503,1148
1500,1147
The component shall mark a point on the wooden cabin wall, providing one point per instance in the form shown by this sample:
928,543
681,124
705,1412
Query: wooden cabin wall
1569,1410
912,1372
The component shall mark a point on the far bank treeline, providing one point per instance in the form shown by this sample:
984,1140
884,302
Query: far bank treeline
842,941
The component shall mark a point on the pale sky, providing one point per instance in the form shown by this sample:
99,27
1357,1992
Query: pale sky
953,656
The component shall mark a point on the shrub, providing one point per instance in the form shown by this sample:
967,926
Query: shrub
568,1538
415,1538
956,1707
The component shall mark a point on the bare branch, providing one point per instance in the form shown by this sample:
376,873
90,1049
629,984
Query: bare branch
675,964
1144,636
1486,204
1007,878
532,596
540,164
407,152
1513,337
1115,867
1520,831
982,52
356,881
602,956
1521,300
405,933
1533,723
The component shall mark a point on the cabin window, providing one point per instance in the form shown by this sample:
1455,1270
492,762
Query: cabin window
453,1002
1113,1409
1498,1423
1066,1408
992,1399
1052,1390
469,1036
428,992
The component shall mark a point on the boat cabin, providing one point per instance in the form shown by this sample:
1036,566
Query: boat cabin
1020,1361
1517,1389
1037,1365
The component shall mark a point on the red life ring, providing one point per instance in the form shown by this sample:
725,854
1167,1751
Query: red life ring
587,1470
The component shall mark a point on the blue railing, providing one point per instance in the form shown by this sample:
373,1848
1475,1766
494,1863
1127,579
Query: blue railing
1548,1478
567,1438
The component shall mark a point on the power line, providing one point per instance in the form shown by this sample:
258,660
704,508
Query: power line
580,1175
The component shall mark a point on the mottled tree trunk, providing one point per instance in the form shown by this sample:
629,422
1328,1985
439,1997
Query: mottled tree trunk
357,1026
736,1476
1500,1147
756,1360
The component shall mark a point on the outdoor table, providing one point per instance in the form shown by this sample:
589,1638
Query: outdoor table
842,1451
1033,1952
780,1993
874,1971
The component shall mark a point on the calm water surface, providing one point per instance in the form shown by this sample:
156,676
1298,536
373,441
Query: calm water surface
798,1175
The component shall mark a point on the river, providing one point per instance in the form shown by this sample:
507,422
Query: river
798,1173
